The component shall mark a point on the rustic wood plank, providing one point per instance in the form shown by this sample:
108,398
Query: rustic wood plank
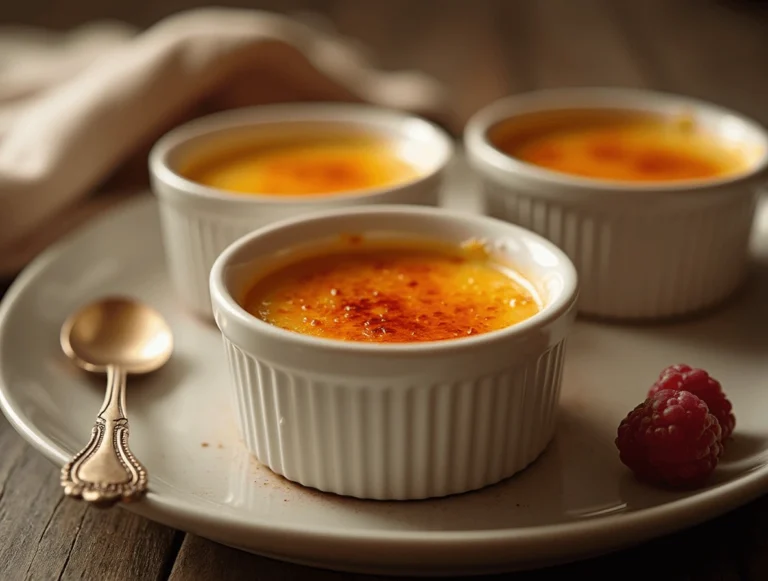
707,49
456,45
580,46
203,560
513,31
116,544
46,536
559,43
387,34
386,29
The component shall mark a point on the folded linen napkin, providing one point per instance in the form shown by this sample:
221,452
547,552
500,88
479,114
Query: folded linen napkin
75,108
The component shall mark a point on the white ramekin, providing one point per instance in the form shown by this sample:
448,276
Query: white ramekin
642,251
198,222
396,421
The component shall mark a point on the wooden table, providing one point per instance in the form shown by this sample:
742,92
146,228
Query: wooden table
481,50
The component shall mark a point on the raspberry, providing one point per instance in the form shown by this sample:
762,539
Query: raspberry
670,439
698,382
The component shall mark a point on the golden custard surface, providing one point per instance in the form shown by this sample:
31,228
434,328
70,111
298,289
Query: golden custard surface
632,151
311,166
391,295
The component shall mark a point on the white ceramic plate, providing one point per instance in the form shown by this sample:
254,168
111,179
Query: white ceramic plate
576,501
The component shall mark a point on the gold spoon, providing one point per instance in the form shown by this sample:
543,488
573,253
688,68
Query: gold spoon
116,336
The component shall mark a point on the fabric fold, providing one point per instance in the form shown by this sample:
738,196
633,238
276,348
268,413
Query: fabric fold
70,119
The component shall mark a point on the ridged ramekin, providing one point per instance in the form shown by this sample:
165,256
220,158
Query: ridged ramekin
396,421
642,251
198,222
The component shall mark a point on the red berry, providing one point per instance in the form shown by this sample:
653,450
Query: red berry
698,382
670,439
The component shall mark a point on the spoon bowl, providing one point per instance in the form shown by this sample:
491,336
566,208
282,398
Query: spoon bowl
117,331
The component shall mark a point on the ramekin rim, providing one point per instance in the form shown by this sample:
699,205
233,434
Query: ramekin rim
552,312
287,113
479,148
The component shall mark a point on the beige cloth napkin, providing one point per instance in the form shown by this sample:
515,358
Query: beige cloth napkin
75,108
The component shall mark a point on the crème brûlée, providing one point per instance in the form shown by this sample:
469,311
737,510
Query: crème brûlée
624,148
305,167
392,294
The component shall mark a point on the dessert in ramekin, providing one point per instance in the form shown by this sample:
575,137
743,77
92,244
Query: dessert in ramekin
391,385
221,176
651,195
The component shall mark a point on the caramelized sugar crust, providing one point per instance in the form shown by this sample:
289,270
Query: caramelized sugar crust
391,295
632,150
307,167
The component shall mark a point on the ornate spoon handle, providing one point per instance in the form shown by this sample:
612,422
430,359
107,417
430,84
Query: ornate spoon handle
105,471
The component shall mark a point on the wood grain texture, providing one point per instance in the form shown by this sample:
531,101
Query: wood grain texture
46,536
580,46
202,560
456,45
716,51
480,50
